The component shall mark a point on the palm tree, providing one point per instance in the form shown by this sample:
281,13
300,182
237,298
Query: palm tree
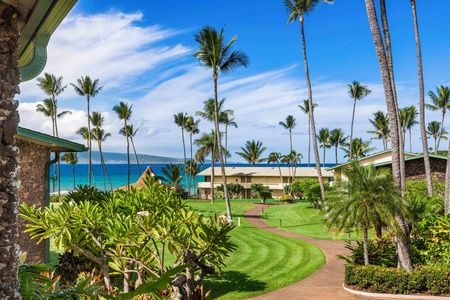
337,138
124,112
172,174
213,53
289,125
181,120
100,136
192,128
440,101
359,149
381,124
131,134
193,169
72,159
252,152
384,56
324,140
305,108
356,92
275,157
292,160
297,9
435,130
370,197
87,88
423,134
408,118
52,87
84,133
227,118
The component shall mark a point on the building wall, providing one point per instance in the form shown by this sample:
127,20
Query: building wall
415,169
33,159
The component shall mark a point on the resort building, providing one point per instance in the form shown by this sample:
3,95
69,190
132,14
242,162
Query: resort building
246,176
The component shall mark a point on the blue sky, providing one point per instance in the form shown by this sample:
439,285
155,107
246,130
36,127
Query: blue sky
141,51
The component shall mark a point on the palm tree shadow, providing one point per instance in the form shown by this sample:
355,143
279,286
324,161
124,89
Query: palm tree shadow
232,281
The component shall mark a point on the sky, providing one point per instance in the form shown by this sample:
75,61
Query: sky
141,52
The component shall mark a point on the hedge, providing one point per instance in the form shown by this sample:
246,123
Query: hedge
377,279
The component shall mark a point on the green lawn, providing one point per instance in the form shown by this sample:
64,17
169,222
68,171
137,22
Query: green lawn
263,262
301,218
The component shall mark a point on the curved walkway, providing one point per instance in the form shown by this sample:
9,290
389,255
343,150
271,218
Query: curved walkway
326,283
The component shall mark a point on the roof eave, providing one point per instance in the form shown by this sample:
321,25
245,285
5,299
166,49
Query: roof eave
55,144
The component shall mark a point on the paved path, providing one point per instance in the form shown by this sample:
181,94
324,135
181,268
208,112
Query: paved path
326,283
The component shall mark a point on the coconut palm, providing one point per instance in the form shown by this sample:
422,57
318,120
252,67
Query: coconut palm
252,152
305,108
381,124
72,159
83,132
123,111
359,149
215,54
181,120
100,136
297,9
384,55
435,131
52,87
275,157
324,140
227,118
356,92
440,101
87,88
337,138
292,159
408,118
289,125
172,174
131,132
193,169
370,197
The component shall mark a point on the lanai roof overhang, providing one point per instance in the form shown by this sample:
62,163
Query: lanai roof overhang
37,20
55,144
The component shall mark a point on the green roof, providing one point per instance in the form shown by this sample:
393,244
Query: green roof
54,143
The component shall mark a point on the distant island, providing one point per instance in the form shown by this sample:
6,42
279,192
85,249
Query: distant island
121,158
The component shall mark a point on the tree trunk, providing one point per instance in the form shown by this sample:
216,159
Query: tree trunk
136,156
212,169
309,142
365,244
184,153
447,184
350,154
9,165
403,254
89,141
311,112
423,133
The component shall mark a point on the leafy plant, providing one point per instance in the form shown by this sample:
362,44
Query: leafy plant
382,252
262,190
233,189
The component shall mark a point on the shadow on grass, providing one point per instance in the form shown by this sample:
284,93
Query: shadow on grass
232,281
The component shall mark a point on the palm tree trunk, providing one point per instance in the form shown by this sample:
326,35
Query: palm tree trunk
219,147
191,178
403,254
9,86
311,112
89,142
440,133
104,169
128,155
226,142
309,142
73,175
213,158
366,244
335,152
290,138
351,130
447,184
135,155
184,153
423,134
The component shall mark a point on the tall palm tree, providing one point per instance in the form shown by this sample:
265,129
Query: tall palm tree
356,92
398,164
369,197
192,128
131,134
292,159
381,124
215,54
435,130
305,108
87,88
180,119
440,101
84,133
100,136
275,157
359,149
252,152
297,9
193,169
423,134
324,140
227,118
52,87
408,118
123,111
72,159
289,125
337,138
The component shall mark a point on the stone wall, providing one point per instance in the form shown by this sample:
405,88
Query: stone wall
415,169
32,190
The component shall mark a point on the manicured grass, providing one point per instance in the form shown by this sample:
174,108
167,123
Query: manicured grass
301,218
263,261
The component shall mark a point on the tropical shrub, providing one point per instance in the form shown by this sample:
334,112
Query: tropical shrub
262,190
85,193
382,252
310,189
233,189
286,199
421,205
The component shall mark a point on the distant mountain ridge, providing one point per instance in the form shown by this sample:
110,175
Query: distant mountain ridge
121,158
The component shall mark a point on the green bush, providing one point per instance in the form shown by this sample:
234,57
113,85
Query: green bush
286,199
382,252
233,189
379,279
